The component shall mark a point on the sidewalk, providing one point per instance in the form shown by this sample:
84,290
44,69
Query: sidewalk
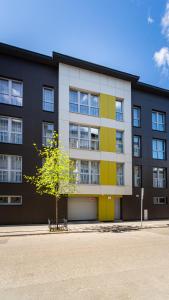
26,230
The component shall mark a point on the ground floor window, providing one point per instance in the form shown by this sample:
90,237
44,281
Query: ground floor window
10,200
160,200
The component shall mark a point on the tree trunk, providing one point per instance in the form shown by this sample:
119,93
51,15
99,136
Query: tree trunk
57,223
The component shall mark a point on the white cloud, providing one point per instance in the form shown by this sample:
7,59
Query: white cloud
150,20
161,59
165,21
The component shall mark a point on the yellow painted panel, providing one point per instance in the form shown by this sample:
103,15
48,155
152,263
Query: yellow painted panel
107,172
108,139
107,106
106,208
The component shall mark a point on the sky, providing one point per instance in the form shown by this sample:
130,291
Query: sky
127,35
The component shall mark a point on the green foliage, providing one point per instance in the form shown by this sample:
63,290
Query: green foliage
56,176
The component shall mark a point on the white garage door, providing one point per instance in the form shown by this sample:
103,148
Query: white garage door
81,209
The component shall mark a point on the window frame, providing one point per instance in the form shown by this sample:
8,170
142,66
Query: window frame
10,95
44,137
79,139
138,108
121,176
135,179
122,143
157,179
157,198
9,169
140,145
121,100
165,149
89,106
89,173
9,200
157,123
10,132
44,101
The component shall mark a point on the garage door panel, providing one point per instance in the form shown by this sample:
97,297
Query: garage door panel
81,209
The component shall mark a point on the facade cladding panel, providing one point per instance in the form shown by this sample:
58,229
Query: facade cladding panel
149,101
33,75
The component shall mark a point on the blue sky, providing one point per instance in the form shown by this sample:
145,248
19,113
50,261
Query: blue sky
122,34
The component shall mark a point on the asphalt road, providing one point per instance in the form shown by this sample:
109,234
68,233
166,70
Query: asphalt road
129,265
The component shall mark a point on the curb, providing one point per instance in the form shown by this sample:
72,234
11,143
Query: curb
79,231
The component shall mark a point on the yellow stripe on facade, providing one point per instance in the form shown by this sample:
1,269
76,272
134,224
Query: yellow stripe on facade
107,106
107,172
106,208
107,139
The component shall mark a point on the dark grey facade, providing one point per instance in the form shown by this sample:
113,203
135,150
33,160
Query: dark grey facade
35,72
149,99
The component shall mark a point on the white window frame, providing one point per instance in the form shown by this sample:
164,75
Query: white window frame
10,132
9,198
156,200
121,113
121,143
79,139
45,139
44,102
138,148
157,124
120,178
89,174
89,102
139,118
157,149
9,169
137,179
157,181
10,95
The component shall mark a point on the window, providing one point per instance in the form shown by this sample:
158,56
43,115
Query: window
10,130
137,176
158,121
120,174
83,137
119,142
11,92
136,116
159,177
160,200
10,200
84,103
87,172
10,168
48,99
159,151
47,131
136,146
119,110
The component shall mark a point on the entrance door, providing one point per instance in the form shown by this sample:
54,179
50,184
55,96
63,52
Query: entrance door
117,213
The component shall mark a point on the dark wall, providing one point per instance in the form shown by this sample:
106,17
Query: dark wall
34,208
131,204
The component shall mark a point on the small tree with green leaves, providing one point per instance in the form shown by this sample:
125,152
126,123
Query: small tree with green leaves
56,176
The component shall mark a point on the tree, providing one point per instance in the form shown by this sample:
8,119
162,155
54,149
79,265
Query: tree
56,176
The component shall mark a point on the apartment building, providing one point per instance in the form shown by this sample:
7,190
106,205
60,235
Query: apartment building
113,127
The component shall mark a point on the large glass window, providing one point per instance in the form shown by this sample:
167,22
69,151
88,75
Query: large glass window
11,92
87,172
120,174
160,200
10,130
119,141
47,131
137,176
10,168
48,99
83,137
84,103
158,149
159,177
119,110
158,121
136,116
10,200
136,146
